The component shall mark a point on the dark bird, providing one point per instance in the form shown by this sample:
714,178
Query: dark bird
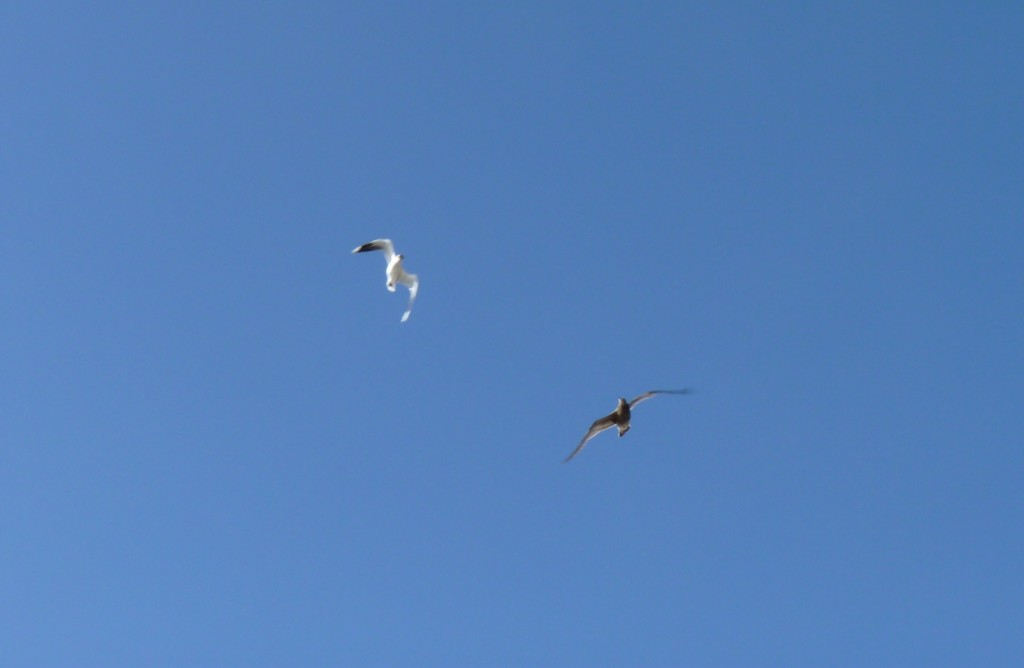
394,270
618,418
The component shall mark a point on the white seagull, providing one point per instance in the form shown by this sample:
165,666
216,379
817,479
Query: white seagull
394,271
619,417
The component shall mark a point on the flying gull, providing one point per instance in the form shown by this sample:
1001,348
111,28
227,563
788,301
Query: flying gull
394,271
619,417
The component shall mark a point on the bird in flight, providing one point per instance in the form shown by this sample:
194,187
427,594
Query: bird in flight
618,418
394,271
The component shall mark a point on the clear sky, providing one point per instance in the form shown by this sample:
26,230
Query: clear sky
219,446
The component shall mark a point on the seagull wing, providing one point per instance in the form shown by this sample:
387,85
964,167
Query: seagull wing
378,244
647,395
606,422
411,281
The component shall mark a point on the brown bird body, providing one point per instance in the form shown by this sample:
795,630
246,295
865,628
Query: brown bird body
620,418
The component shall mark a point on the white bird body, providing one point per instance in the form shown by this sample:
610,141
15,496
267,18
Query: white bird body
394,270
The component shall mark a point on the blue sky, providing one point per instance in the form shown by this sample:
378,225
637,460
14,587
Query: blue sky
220,447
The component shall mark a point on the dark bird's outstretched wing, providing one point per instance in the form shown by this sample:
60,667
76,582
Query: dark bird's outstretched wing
647,395
595,429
